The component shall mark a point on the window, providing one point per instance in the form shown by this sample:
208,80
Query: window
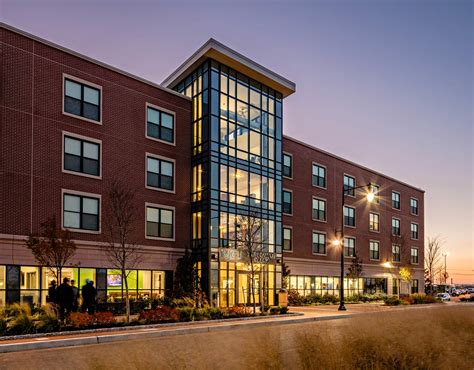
376,190
395,200
374,250
374,223
349,185
395,226
319,209
287,202
414,231
81,100
349,247
414,206
81,156
395,253
349,216
319,175
80,212
319,243
159,173
414,286
287,165
159,124
394,286
287,239
414,256
159,222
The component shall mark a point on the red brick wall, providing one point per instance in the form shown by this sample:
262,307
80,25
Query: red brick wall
31,139
303,191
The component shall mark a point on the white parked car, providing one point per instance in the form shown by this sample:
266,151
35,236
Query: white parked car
443,296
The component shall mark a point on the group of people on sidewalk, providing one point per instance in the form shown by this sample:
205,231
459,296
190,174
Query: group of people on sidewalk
66,297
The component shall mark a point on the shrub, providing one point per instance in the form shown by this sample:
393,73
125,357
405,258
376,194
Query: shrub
284,310
183,302
19,319
80,320
295,298
160,314
238,311
330,298
104,318
275,310
392,301
313,298
48,320
216,313
200,314
185,313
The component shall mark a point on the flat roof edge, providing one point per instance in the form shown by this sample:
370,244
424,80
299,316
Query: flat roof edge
309,146
210,48
89,59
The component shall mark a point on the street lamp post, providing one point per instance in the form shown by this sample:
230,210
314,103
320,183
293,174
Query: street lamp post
340,240
445,255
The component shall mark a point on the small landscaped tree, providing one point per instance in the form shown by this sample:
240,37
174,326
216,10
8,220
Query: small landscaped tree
185,277
121,248
285,275
355,269
432,261
249,242
52,247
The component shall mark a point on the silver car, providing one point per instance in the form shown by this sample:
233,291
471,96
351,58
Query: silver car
443,296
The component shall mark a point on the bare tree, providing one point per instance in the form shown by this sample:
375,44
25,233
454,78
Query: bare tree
53,247
121,249
405,268
432,260
249,241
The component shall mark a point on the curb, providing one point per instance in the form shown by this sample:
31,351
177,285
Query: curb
39,343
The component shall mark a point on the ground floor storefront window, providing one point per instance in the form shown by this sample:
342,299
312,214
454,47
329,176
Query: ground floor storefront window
29,284
306,285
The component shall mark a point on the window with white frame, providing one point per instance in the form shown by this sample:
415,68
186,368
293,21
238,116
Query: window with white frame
81,100
159,222
81,156
414,206
349,185
374,250
395,200
160,124
80,212
287,165
319,209
319,243
349,216
414,256
414,231
287,239
395,253
287,202
374,221
319,175
396,227
349,247
159,173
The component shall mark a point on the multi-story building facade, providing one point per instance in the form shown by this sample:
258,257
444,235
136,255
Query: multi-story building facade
203,152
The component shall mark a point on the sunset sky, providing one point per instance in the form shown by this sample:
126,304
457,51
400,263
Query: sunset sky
387,84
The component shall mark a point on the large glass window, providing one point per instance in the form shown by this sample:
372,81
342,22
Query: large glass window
160,173
319,243
349,247
159,222
374,250
395,200
287,202
374,223
81,156
319,209
319,175
349,185
396,226
414,206
81,100
287,239
160,125
81,212
349,216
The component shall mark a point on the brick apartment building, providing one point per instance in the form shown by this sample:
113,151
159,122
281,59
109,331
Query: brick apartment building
200,150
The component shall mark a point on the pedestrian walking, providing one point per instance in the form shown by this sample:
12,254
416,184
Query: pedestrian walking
89,294
64,298
51,297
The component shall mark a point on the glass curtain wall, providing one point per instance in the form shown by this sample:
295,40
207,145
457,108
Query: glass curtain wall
237,172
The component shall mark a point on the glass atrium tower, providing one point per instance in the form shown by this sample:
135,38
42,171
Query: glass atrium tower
236,170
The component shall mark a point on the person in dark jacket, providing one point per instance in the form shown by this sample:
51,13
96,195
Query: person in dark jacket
64,296
75,296
89,294
51,298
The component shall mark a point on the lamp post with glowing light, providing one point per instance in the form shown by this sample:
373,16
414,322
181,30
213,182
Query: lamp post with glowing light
339,241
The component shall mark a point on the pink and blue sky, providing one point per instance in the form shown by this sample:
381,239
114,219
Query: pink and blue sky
387,84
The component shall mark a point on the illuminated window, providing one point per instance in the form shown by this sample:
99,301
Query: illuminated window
374,224
349,247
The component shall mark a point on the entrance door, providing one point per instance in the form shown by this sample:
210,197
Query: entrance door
245,288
